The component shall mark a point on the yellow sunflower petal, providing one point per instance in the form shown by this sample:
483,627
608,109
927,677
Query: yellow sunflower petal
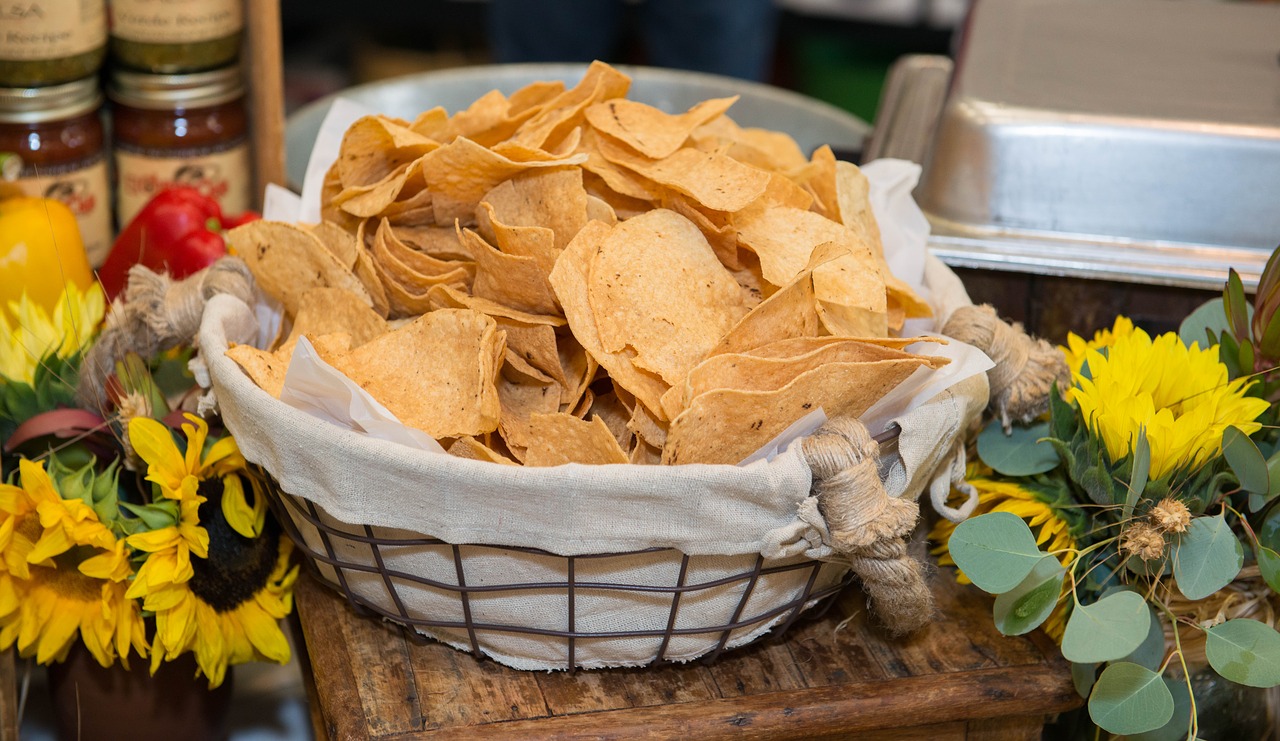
244,518
153,442
264,631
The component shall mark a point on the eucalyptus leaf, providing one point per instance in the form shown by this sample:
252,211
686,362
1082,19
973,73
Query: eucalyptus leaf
1179,724
1083,676
1269,531
1207,558
1141,469
1269,565
1245,651
1109,629
1209,317
1246,461
1023,452
996,551
1130,699
1150,653
1023,608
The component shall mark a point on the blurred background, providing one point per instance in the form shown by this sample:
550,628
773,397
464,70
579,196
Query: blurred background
835,50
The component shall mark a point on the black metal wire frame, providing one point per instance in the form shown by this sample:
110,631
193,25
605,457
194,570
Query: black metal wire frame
287,507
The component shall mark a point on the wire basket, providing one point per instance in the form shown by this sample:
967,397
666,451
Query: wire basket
530,608
359,562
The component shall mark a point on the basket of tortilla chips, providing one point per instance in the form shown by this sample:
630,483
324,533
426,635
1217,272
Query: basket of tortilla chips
554,369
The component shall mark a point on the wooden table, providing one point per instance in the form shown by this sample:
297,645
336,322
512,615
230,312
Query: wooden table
959,679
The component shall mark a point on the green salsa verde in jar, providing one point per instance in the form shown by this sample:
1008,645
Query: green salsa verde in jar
49,42
176,36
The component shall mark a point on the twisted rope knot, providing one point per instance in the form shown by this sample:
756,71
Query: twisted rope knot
158,313
868,525
1026,367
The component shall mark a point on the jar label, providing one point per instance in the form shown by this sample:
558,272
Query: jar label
222,175
51,29
175,21
85,190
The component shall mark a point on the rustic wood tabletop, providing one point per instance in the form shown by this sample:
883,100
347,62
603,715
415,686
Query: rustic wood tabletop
826,678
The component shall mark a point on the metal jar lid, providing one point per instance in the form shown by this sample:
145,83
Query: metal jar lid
22,105
165,92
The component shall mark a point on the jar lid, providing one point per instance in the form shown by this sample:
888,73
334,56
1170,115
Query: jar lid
52,103
161,92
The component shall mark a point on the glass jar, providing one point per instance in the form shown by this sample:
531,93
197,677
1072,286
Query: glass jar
56,134
47,42
180,129
176,36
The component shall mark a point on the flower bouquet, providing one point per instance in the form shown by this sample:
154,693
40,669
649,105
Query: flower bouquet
131,526
1137,521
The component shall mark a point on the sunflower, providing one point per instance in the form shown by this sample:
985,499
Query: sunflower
1051,526
35,334
64,573
178,475
1178,395
219,579
1077,347
229,611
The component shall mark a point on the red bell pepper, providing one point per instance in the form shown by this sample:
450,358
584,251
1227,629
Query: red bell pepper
179,231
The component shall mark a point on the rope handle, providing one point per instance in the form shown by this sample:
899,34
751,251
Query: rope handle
1026,367
867,525
158,313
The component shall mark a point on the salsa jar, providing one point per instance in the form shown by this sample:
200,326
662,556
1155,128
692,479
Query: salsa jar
180,130
56,133
176,36
48,42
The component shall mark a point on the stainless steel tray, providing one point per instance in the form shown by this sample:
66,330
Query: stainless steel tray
1134,140
811,122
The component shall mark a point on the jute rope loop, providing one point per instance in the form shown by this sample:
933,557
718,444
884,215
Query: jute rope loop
866,524
158,313
1026,367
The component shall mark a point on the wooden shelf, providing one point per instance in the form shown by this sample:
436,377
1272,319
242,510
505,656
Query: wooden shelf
824,679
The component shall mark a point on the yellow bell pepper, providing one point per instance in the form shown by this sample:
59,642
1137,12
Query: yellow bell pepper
40,252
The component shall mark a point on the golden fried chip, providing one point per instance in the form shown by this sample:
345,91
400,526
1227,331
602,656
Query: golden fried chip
413,266
615,415
536,242
438,373
266,369
649,131
376,146
338,241
713,180
554,199
520,401
726,425
438,241
448,297
461,172
562,113
819,178
668,318
559,438
325,310
516,281
766,369
287,260
469,447
570,281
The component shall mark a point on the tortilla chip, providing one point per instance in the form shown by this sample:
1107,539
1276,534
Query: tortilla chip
669,318
558,438
325,310
469,447
570,279
266,369
288,260
727,425
517,281
519,402
461,172
649,131
554,199
713,180
438,373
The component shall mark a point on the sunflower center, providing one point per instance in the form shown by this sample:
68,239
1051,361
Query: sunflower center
67,582
237,567
29,528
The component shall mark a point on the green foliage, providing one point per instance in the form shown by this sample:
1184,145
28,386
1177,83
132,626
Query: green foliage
1138,475
1179,722
1245,651
1208,556
1023,608
1023,452
1129,699
1150,652
53,385
1205,324
1246,461
98,489
1109,629
996,551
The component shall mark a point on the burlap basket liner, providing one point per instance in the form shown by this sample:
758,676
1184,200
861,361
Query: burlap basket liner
675,553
